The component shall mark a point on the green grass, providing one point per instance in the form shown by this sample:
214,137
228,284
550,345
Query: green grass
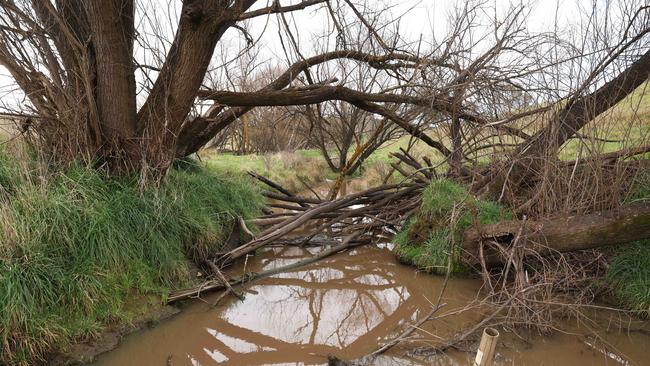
426,240
289,168
285,168
76,246
628,275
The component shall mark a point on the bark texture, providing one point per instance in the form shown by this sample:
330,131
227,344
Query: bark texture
563,234
112,27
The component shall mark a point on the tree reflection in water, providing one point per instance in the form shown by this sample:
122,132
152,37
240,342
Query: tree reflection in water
339,305
344,305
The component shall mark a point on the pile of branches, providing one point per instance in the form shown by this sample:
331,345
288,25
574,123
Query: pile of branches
358,218
527,283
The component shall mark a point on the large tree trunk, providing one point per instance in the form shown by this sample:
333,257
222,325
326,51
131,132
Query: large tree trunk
112,29
95,42
74,61
562,234
202,24
530,156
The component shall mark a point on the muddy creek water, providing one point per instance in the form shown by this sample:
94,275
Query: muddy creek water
349,304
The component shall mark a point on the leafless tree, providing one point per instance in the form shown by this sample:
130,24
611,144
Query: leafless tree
74,61
483,82
339,129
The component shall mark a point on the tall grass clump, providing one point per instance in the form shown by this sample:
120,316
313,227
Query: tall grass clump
430,237
628,275
77,245
9,174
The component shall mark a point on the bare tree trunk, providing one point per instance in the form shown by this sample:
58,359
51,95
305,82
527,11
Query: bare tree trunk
112,27
202,24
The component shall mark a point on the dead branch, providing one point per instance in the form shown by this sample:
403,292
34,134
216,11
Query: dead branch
212,285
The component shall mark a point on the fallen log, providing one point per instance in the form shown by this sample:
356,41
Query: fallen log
576,112
625,224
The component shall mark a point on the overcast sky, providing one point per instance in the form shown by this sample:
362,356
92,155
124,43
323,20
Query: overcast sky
418,18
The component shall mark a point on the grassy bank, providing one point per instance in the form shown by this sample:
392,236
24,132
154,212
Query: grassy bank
76,246
433,235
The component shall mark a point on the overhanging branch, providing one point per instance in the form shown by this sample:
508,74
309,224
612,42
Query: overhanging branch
319,94
198,131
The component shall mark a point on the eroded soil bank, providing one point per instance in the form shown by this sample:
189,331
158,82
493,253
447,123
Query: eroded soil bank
347,305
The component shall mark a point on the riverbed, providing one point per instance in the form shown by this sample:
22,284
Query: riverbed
349,304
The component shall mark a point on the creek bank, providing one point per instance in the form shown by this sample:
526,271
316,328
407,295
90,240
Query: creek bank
84,352
77,245
431,238
443,234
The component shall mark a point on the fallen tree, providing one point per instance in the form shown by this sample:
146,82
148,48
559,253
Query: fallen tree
528,158
625,224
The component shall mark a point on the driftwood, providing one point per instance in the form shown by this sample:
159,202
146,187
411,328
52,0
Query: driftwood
379,208
212,285
564,234
354,219
369,203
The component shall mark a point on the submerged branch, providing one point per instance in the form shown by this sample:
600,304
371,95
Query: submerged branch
212,285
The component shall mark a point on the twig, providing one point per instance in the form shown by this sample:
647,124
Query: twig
223,279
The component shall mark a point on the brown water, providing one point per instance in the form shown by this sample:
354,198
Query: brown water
346,305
